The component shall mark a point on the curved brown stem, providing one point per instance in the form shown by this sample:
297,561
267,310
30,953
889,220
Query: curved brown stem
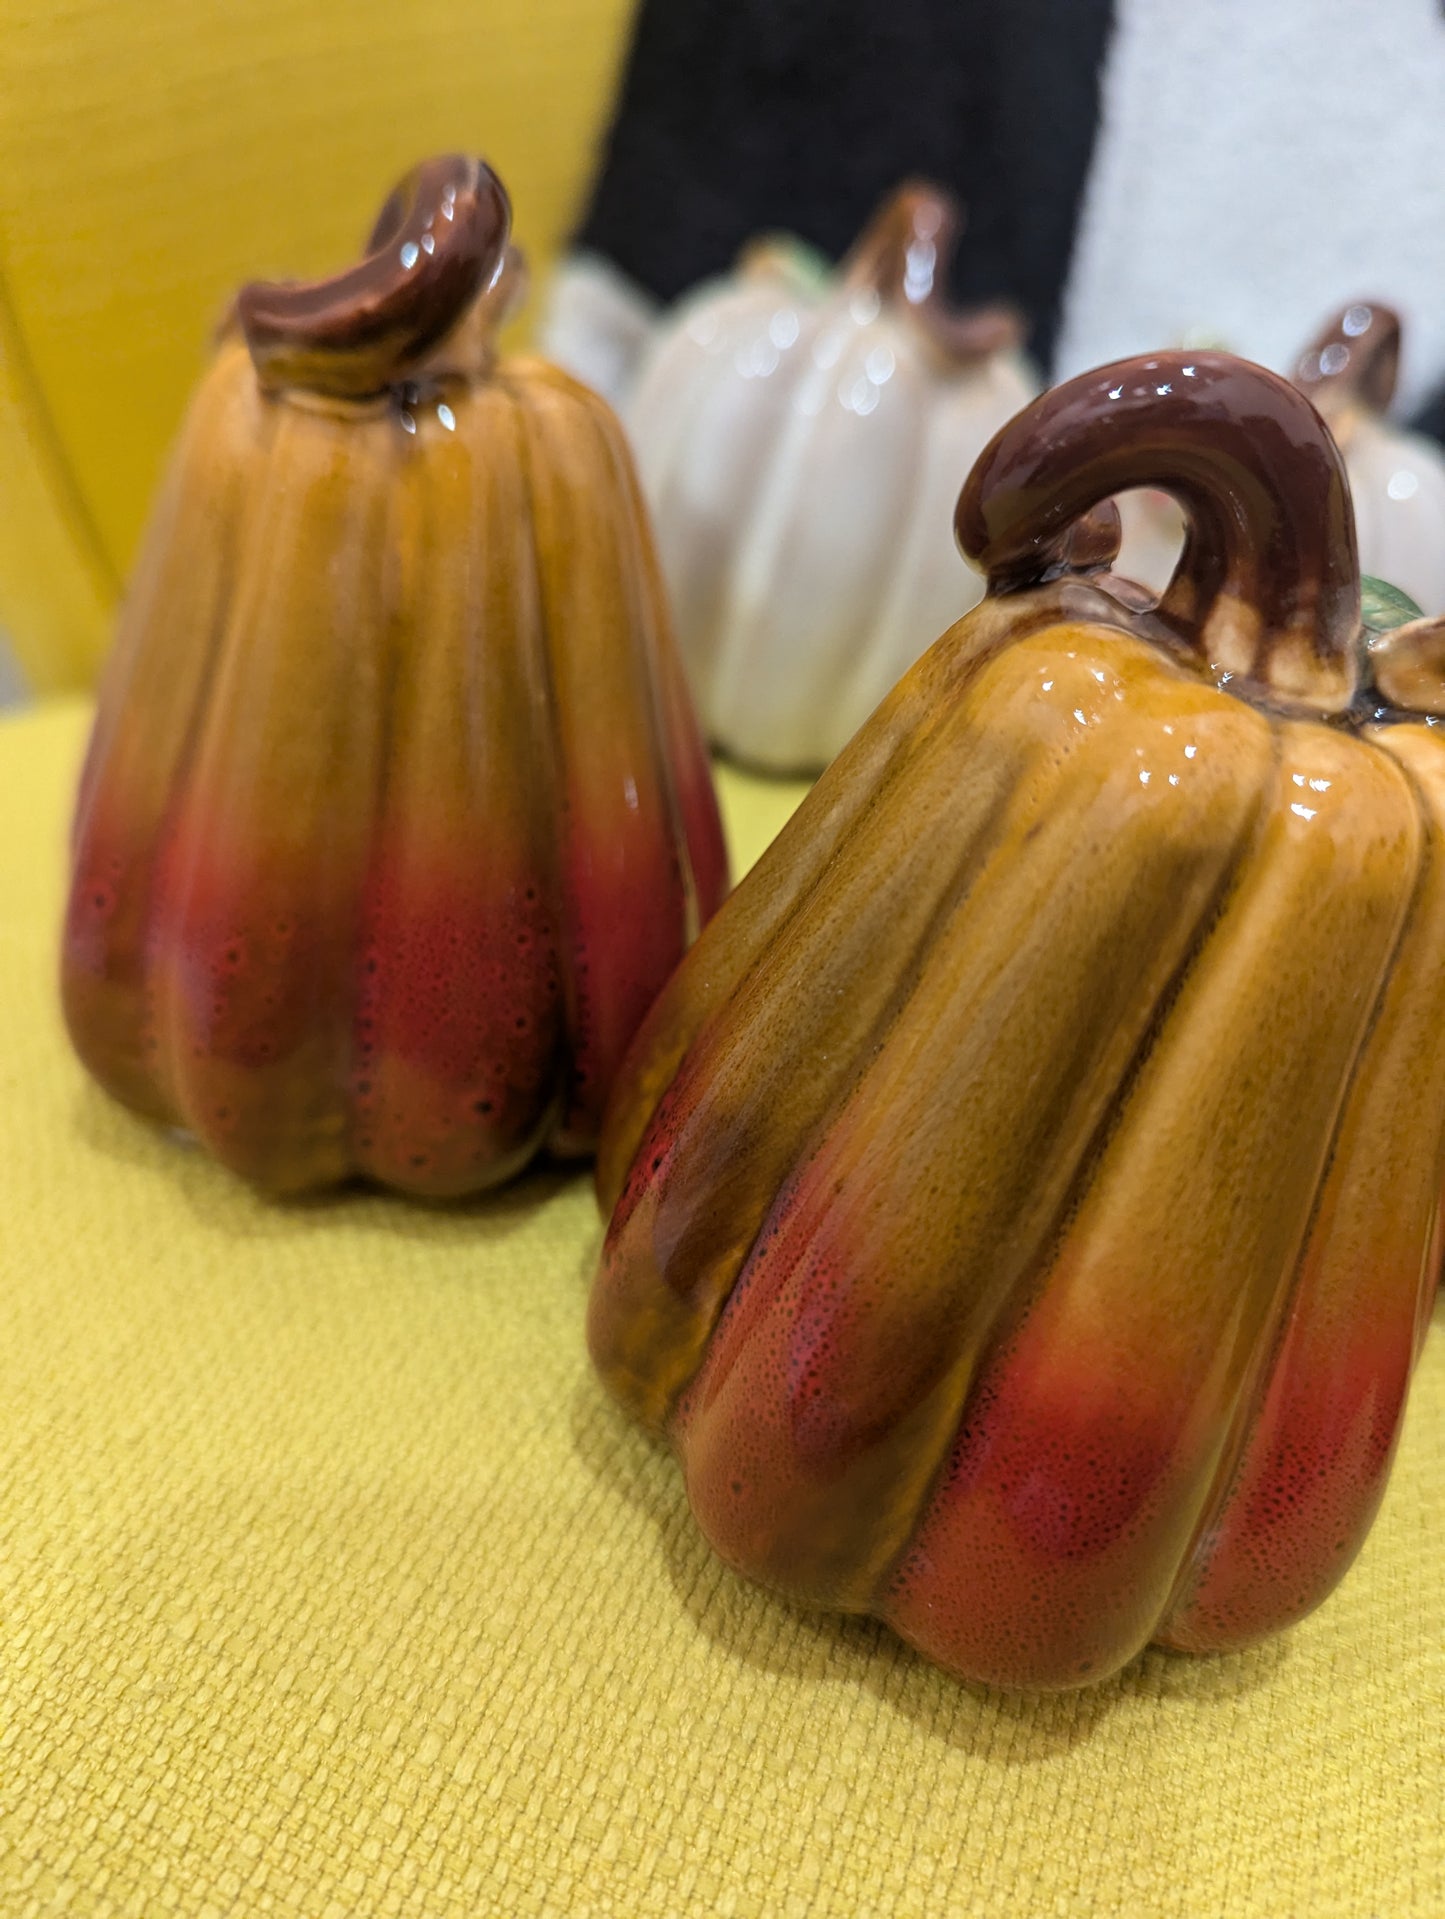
903,254
1354,361
1268,582
436,245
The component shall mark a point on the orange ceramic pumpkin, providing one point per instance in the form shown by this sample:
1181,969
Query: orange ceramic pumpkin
395,817
1024,1196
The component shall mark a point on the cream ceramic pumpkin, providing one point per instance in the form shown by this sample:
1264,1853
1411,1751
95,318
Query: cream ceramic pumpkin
1397,479
800,433
596,324
1151,536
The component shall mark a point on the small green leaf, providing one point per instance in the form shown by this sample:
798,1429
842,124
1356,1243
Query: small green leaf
1384,607
805,264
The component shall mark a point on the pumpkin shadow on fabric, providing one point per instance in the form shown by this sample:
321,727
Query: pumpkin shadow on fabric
102,1125
220,1201
774,1635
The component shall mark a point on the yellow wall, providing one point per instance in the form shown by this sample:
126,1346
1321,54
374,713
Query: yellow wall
154,153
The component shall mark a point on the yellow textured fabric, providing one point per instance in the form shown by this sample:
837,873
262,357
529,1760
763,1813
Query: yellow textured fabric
332,1585
154,154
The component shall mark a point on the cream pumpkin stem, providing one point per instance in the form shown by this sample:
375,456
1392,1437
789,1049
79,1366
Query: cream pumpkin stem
904,254
437,244
1267,587
1354,361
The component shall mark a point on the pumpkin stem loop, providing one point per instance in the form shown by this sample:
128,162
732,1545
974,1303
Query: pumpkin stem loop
439,241
1267,587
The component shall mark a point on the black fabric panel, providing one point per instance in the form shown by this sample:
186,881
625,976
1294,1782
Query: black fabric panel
744,116
1431,417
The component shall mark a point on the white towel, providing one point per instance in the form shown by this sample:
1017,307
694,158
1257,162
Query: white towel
1258,163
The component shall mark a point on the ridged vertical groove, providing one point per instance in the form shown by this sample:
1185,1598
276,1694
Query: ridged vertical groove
265,862
1304,1467
623,864
890,1252
1074,1489
457,989
1013,1305
858,784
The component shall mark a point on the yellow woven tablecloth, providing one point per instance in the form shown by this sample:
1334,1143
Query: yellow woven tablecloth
331,1584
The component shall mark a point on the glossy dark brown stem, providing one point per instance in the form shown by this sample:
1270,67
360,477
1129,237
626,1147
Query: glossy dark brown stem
904,254
1268,581
436,245
1355,360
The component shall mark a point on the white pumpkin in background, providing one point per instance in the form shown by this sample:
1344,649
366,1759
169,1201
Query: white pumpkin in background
596,324
802,434
1152,537
1397,479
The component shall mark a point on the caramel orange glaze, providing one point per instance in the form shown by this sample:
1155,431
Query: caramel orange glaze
395,816
1023,1198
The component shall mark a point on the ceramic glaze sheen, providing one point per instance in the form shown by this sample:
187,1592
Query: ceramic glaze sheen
1023,1199
395,816
800,436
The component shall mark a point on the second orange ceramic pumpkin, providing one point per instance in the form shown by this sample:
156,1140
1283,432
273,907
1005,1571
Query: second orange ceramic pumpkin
395,817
